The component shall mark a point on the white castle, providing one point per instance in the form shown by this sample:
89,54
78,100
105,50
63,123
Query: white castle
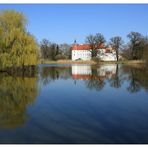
83,52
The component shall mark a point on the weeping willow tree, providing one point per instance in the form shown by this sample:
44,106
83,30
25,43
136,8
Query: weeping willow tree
18,48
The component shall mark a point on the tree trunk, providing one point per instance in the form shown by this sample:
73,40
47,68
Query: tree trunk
117,54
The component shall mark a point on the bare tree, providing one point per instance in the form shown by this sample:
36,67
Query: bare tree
94,41
145,53
48,50
65,49
45,49
116,42
135,41
126,52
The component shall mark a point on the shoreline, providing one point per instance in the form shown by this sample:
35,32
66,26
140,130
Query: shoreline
135,63
127,62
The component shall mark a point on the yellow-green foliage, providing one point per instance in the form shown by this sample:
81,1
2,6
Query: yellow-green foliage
17,46
16,94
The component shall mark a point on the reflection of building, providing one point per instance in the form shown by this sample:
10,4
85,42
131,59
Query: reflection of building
85,72
81,71
83,52
106,71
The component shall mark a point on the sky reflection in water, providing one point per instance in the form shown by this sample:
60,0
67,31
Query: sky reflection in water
75,104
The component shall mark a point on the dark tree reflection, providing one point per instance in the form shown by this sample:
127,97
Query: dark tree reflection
96,77
134,85
95,82
116,80
16,93
50,74
138,78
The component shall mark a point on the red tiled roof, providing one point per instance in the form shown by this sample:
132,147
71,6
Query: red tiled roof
107,50
81,47
84,47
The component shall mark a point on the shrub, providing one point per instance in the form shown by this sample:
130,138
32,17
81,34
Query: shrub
60,57
78,59
96,59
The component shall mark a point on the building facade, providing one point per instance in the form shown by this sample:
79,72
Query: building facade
83,52
107,54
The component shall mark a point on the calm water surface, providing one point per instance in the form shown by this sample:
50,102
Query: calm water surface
75,104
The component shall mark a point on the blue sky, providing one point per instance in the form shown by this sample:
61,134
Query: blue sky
66,22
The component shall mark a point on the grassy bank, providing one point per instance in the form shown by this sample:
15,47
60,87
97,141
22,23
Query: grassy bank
66,62
127,62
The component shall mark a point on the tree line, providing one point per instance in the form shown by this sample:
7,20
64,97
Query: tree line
135,49
53,51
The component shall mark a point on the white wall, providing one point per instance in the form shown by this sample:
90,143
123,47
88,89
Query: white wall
107,56
81,54
86,55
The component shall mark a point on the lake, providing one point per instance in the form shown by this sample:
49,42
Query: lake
75,104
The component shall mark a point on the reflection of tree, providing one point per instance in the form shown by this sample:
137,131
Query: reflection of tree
138,78
142,77
116,80
49,74
95,82
133,87
16,93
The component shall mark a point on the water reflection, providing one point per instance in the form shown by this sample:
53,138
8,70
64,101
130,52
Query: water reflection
116,80
50,74
95,104
16,93
96,77
75,104
81,72
138,78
